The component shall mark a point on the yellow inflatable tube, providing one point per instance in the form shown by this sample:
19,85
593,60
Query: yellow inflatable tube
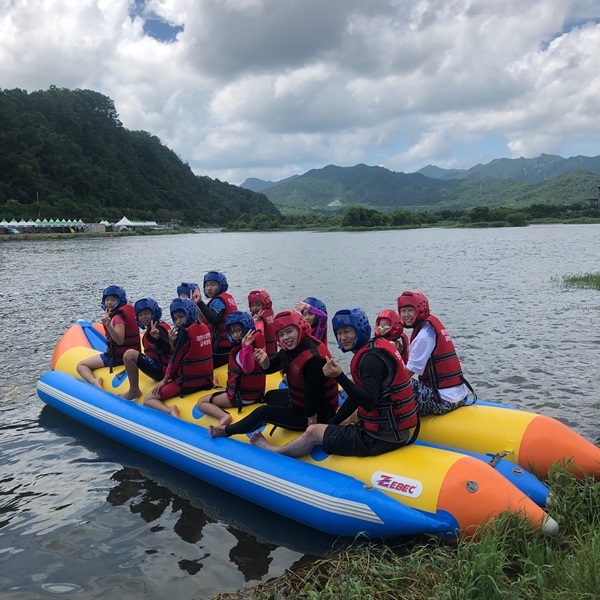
533,441
427,479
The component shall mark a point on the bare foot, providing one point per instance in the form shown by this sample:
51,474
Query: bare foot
225,420
174,411
131,395
98,382
258,439
215,431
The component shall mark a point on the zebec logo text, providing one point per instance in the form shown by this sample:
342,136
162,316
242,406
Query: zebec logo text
397,484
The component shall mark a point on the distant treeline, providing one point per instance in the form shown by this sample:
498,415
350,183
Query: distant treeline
360,217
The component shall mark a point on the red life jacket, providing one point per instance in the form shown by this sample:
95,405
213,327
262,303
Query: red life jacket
242,388
132,336
268,340
191,364
443,368
152,351
404,353
297,381
395,409
221,343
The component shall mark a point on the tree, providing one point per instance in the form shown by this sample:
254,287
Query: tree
70,147
479,213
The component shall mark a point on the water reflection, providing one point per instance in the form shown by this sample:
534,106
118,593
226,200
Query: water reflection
251,557
80,510
101,516
150,500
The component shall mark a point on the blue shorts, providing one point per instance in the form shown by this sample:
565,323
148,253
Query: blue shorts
106,361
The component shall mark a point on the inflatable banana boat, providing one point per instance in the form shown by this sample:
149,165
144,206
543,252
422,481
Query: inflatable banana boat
427,487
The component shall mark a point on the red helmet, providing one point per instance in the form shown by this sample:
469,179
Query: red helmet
396,326
416,300
295,319
260,296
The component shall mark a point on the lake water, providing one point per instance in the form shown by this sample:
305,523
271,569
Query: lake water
84,517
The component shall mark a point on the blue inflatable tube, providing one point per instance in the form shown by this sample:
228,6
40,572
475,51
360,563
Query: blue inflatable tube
96,340
337,504
528,483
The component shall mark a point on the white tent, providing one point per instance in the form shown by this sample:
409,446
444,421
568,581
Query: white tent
125,222
4,223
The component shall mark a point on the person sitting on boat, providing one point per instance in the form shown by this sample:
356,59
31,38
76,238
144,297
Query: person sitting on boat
441,386
191,366
380,392
245,379
122,334
157,347
261,309
388,325
315,312
215,311
311,396
189,290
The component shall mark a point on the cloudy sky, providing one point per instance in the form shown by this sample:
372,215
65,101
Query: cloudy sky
272,88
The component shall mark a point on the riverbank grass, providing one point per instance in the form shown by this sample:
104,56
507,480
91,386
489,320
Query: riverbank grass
507,561
582,280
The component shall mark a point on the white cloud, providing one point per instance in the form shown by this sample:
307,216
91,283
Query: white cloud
264,88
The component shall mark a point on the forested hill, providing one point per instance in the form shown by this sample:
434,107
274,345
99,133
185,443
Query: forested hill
527,170
333,189
65,154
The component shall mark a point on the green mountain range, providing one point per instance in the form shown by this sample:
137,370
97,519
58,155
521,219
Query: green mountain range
528,170
65,154
503,182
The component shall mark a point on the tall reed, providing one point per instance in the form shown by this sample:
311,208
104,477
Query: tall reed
582,280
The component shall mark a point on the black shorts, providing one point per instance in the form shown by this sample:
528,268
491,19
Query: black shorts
150,367
220,359
351,440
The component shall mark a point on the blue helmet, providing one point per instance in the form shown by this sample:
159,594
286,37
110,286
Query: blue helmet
150,303
114,290
317,303
187,306
357,319
241,318
219,278
187,288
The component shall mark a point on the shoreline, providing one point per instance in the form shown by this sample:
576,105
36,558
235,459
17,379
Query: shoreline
86,234
186,230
